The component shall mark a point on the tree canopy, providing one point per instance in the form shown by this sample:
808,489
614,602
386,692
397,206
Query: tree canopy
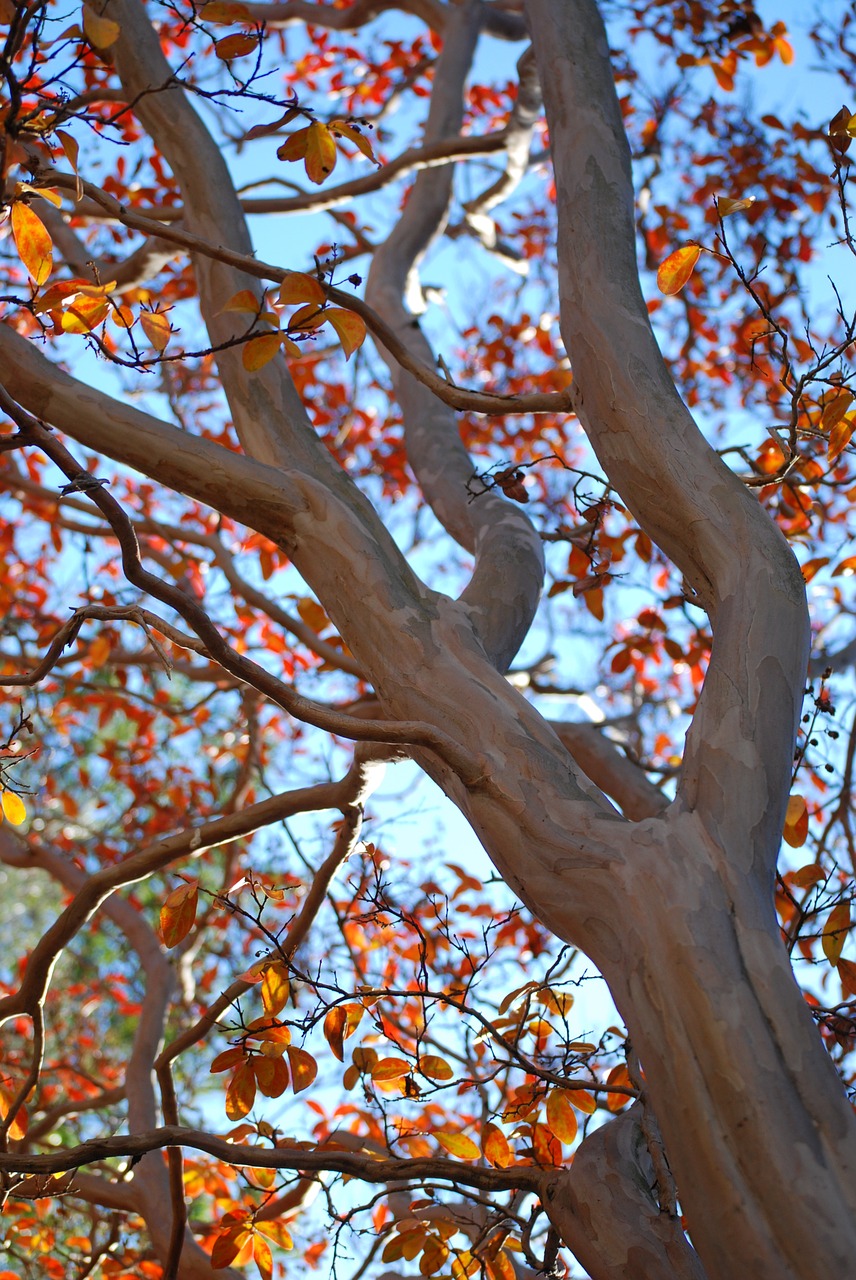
397,390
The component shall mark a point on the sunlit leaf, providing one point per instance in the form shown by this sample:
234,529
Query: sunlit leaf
350,328
390,1069
33,242
227,1059
84,314
495,1147
840,436
561,1118
583,1101
18,1127
335,1021
271,1075
304,1068
178,913
677,269
796,822
228,1245
458,1144
260,351
297,286
321,152
276,988
354,135
14,809
262,1256
835,932
245,301
434,1067
294,147
241,1091
157,328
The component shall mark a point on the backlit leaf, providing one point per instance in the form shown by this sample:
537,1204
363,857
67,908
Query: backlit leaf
178,913
350,328
262,1256
34,245
14,810
390,1069
796,822
458,1144
228,1245
434,1067
156,327
304,1068
677,269
244,300
241,1091
839,436
271,1075
84,314
583,1101
294,147
260,351
297,286
835,932
18,1127
353,135
334,1030
276,988
495,1147
321,153
725,207
561,1119
227,1059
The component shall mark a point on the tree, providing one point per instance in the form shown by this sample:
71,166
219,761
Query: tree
284,635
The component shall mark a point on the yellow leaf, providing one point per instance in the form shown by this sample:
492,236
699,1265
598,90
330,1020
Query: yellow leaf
262,1256
245,300
726,207
275,988
458,1144
677,269
312,614
320,159
260,351
100,32
14,810
294,147
156,327
350,328
34,245
47,193
835,932
835,408
99,651
434,1067
561,1120
84,314
354,135
390,1069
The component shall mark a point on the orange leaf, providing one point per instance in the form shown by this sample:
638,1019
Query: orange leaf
390,1069
260,351
835,408
321,152
34,245
156,327
835,932
312,614
434,1067
84,314
224,11
178,913
618,1075
294,147
354,135
350,328
334,1030
500,1266
14,810
796,822
277,1232
545,1148
244,300
583,1101
839,436
297,286
262,1256
228,1058
561,1119
309,317
726,207
304,1068
847,974
228,1245
495,1147
241,1091
458,1144
236,45
677,269
271,1076
18,1127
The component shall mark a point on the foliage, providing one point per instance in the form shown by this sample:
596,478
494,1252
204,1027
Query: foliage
374,1049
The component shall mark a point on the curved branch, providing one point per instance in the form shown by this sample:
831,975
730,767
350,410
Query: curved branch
737,766
499,534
